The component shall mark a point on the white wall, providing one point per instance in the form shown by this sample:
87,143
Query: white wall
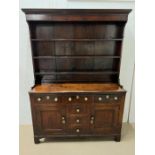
132,103
26,73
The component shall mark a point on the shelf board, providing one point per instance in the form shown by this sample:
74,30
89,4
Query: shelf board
86,72
108,39
74,56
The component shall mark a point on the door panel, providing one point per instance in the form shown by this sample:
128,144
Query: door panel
105,118
50,120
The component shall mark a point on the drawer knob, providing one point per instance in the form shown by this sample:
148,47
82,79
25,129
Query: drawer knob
115,98
38,99
69,99
86,98
100,98
78,110
47,97
77,130
63,122
77,97
77,121
56,99
107,96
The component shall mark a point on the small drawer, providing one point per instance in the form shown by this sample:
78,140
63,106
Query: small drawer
78,120
77,108
79,129
46,98
107,98
76,98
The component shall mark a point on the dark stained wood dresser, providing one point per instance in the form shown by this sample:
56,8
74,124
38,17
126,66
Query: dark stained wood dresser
76,61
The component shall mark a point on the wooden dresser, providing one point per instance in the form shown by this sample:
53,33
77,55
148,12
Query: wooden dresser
76,61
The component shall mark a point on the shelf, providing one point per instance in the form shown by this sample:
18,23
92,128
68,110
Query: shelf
108,39
74,56
86,72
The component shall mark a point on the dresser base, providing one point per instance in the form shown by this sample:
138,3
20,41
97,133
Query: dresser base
49,138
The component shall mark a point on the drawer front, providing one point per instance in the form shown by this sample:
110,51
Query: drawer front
46,98
78,109
74,120
107,98
78,129
76,98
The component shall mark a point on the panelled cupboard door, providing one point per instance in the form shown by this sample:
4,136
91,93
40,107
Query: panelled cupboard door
50,120
105,119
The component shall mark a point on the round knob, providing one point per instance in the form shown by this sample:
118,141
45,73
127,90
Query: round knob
78,110
91,121
107,97
77,121
115,98
63,117
100,98
69,99
77,97
55,99
39,99
63,121
86,98
47,97
78,130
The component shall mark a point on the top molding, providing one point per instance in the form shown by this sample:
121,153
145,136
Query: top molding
76,14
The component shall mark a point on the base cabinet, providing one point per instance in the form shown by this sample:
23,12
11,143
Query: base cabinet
76,116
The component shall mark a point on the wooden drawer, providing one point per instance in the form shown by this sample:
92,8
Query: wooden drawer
107,98
78,120
46,98
76,98
78,129
77,109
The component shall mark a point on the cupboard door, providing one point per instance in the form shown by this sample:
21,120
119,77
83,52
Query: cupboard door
50,120
105,119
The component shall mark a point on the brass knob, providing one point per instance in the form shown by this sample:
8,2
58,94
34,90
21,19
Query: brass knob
92,120
77,121
63,121
69,99
78,130
77,97
38,99
56,99
107,96
47,97
100,98
78,110
86,98
115,98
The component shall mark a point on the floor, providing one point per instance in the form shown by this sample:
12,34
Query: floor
125,147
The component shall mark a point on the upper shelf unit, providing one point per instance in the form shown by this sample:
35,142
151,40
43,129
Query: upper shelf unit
80,45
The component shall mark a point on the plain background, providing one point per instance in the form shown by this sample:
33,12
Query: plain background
25,60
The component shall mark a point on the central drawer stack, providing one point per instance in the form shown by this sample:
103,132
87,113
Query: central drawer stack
78,109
